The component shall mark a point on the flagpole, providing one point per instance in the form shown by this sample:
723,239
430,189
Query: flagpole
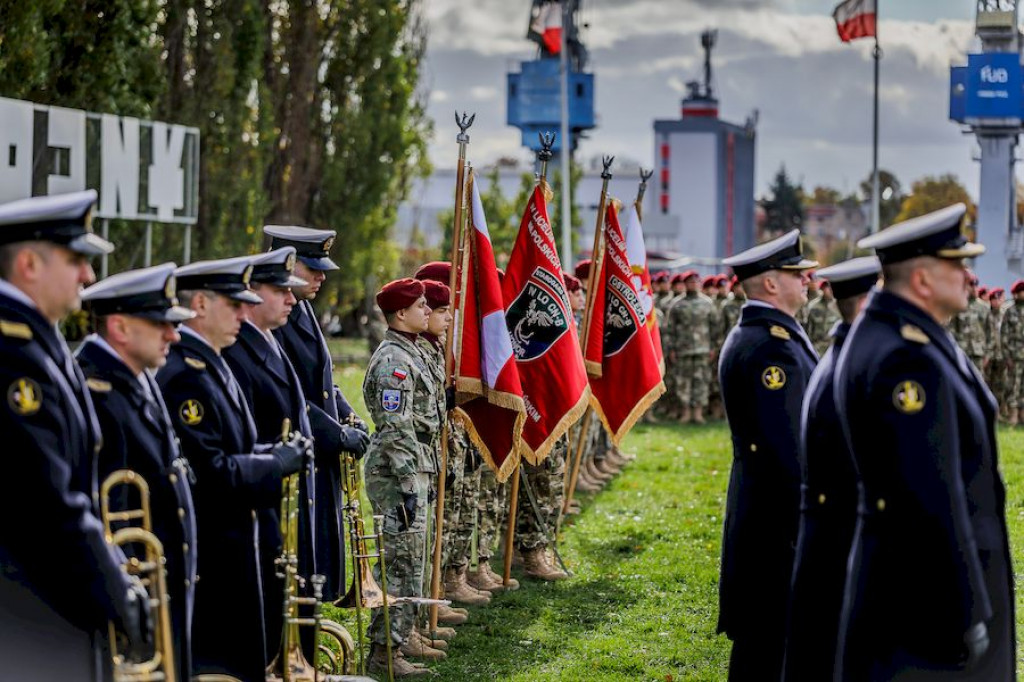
458,237
588,312
547,141
876,53
644,177
565,157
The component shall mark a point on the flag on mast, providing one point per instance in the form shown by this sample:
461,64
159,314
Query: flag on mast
636,250
544,338
625,377
546,25
487,384
855,19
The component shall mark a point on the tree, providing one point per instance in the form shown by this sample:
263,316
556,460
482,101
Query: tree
827,196
932,193
892,197
784,210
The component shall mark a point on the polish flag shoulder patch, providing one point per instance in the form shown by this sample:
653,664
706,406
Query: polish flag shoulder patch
400,374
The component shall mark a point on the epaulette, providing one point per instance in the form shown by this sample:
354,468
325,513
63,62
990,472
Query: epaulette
16,330
912,333
98,385
779,332
195,364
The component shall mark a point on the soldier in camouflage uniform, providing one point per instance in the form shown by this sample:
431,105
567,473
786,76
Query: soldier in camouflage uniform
821,317
689,322
662,291
492,512
995,365
401,394
1011,334
968,327
531,539
668,406
813,293
711,290
732,307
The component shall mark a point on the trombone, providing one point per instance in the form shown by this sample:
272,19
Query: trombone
160,667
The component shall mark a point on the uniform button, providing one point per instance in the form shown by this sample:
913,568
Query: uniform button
181,512
253,512
173,478
325,395
821,498
753,447
188,582
307,408
880,504
184,547
310,502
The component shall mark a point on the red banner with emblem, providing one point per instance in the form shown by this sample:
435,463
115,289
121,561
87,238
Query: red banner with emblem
543,334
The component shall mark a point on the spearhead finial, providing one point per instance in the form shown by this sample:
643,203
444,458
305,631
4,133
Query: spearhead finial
645,175
547,141
464,123
606,161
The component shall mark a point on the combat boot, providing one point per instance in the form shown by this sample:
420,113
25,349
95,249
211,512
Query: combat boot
698,415
549,557
584,483
402,668
443,634
479,580
536,566
684,415
609,466
456,589
513,584
574,508
418,646
595,472
440,643
450,616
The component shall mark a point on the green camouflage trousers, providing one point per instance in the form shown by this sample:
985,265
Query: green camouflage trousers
492,510
995,377
1015,384
458,503
668,404
547,482
693,380
405,543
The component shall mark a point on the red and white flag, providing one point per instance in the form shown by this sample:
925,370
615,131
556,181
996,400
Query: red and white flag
855,19
627,379
543,333
546,25
636,250
487,384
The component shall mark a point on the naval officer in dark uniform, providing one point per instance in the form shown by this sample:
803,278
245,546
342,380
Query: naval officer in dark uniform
929,593
273,394
336,427
828,494
54,608
765,365
135,315
235,475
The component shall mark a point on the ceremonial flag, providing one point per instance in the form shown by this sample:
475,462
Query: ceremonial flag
543,332
487,383
619,347
855,19
546,25
636,251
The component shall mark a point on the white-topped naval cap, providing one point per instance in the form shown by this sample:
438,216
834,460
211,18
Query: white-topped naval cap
933,234
227,276
276,267
782,253
64,219
312,245
852,277
146,292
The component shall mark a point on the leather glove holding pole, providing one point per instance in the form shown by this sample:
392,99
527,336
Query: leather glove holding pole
977,643
137,622
290,453
354,440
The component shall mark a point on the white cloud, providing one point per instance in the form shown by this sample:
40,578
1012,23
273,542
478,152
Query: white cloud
483,92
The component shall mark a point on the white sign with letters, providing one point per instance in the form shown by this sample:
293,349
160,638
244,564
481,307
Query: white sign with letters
143,170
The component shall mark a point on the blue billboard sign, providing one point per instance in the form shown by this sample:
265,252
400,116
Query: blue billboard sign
990,88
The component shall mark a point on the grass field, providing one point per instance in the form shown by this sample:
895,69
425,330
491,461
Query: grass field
642,603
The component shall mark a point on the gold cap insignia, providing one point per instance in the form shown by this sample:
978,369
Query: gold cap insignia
912,333
773,378
170,287
908,397
779,332
87,220
24,396
98,385
195,364
328,243
289,262
246,274
191,412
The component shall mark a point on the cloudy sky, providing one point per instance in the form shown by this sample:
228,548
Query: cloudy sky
781,57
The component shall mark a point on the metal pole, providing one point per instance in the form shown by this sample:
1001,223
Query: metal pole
563,60
875,197
186,257
105,259
147,259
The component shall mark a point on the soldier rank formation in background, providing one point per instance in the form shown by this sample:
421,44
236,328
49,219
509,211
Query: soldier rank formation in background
197,434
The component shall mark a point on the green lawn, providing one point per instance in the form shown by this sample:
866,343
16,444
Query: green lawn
642,604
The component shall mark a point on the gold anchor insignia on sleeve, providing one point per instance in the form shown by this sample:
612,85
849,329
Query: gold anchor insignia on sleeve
24,396
191,412
773,378
908,397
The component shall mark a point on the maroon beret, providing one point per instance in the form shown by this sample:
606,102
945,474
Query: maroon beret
399,295
710,281
733,281
582,270
998,291
660,277
572,284
722,280
438,295
438,271
982,292
1017,286
688,274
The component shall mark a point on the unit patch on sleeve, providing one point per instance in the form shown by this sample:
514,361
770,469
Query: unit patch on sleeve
773,378
24,396
191,412
391,399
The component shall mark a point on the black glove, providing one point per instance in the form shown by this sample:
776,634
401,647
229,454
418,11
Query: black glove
359,424
290,454
977,642
354,440
406,511
432,494
449,398
138,622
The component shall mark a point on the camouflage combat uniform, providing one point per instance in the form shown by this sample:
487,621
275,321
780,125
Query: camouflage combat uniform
995,369
821,317
668,405
689,321
547,482
731,312
458,504
718,331
1011,334
400,392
